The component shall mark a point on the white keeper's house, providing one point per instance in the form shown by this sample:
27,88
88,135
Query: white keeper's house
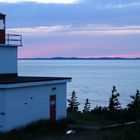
26,99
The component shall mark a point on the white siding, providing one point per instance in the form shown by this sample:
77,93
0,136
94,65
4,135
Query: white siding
8,59
24,105
2,110
61,103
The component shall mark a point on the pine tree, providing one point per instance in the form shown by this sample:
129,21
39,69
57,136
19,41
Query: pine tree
87,106
135,103
73,104
114,103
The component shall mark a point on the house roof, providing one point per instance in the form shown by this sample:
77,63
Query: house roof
14,78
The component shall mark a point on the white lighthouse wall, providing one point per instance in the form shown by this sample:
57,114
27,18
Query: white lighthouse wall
2,110
25,105
8,59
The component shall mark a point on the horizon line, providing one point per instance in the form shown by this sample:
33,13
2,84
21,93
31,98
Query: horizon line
57,57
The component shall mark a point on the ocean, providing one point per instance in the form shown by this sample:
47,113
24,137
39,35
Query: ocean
91,79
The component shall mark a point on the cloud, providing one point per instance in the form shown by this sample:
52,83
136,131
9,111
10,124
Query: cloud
38,30
87,12
87,30
41,1
106,30
111,4
126,5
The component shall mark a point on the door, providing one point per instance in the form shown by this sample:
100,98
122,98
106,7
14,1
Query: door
53,107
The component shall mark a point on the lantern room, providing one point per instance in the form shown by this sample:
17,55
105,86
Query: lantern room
8,39
9,44
2,28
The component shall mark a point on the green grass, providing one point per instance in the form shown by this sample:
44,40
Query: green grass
124,133
50,130
36,130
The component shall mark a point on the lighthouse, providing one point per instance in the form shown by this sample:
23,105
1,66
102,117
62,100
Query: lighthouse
9,44
25,99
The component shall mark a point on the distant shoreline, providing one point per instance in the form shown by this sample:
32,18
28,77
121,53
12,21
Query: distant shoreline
76,58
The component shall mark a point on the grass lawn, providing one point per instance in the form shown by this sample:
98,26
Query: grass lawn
49,130
122,133
36,130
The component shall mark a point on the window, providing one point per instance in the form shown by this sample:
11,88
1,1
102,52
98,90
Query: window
52,102
1,24
54,88
2,113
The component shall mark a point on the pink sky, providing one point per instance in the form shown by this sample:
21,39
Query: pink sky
89,28
87,46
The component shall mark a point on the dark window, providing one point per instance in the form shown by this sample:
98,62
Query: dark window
2,113
54,88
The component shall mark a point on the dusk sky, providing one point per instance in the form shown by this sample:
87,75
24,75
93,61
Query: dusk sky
75,28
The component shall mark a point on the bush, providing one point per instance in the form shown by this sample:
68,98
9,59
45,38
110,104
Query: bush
99,110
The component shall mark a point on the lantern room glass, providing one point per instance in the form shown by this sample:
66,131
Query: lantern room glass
1,24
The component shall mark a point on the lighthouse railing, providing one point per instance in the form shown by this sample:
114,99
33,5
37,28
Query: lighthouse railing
14,39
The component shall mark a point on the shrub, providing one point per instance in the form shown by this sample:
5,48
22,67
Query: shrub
99,110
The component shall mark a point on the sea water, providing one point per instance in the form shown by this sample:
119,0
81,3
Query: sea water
92,79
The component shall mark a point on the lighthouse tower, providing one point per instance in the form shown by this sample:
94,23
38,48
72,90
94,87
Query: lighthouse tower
25,99
8,49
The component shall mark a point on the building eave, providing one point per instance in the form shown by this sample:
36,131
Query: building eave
14,81
8,45
32,84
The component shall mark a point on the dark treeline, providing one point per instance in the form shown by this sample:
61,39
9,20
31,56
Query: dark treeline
113,110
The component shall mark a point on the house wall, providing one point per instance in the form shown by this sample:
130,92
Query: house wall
2,110
24,105
8,59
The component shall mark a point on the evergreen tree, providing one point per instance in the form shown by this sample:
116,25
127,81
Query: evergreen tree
87,106
73,104
135,103
114,103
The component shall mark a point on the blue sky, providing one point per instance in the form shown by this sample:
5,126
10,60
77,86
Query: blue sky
75,28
